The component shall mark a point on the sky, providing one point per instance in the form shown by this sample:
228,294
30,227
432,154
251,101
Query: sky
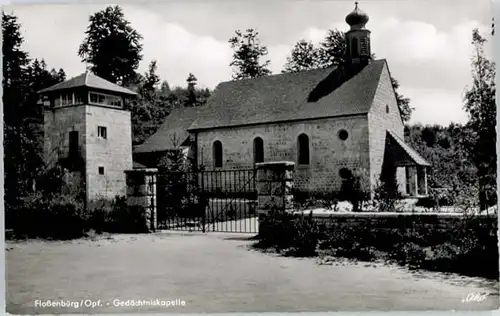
426,43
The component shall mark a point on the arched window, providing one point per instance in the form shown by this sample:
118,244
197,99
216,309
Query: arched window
303,149
217,152
258,150
354,47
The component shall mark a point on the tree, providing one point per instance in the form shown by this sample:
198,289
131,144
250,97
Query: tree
331,53
304,56
23,119
247,54
15,62
479,102
332,49
111,46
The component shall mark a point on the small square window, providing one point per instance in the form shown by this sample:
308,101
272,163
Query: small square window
102,132
101,170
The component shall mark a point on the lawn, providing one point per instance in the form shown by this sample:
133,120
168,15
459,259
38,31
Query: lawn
217,273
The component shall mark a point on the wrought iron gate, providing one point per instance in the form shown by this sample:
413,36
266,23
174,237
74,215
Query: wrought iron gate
216,201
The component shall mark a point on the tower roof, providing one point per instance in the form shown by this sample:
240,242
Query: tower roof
88,79
357,18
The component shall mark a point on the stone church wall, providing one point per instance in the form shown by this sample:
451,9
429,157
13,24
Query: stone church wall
384,115
328,153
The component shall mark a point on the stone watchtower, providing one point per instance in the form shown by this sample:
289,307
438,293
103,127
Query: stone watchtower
88,131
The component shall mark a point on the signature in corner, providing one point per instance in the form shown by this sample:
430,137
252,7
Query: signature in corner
475,297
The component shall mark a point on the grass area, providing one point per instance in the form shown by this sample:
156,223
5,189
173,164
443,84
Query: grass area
217,273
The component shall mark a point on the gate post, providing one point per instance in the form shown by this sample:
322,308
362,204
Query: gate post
274,187
141,193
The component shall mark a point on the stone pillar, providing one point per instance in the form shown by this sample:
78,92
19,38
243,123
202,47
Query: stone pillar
274,186
425,182
412,181
141,192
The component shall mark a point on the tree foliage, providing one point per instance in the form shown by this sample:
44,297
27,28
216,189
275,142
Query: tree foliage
23,118
479,102
111,47
248,52
304,56
331,53
444,147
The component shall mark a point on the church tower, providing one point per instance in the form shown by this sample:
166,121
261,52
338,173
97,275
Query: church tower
358,50
88,131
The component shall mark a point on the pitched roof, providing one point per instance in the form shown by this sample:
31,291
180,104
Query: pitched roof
174,126
89,80
403,153
292,96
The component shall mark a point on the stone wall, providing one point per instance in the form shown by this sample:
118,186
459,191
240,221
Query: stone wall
57,125
382,221
384,115
113,153
328,153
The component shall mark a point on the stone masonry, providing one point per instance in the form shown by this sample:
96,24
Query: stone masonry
328,153
274,186
384,114
113,154
141,193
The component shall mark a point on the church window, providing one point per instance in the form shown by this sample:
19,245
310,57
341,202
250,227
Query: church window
354,47
343,134
101,170
386,109
258,150
217,154
303,149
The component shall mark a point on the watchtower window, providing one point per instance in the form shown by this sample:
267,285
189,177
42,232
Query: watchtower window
102,132
105,99
73,144
303,149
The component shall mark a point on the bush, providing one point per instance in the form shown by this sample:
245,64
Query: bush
409,253
305,236
114,216
348,242
296,235
53,217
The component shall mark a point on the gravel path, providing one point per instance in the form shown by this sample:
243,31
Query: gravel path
216,273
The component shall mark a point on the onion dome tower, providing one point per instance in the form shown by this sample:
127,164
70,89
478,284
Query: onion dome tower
357,39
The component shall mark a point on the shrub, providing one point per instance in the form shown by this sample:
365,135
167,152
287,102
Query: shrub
276,230
296,235
348,242
53,217
354,187
305,236
115,216
386,195
409,253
